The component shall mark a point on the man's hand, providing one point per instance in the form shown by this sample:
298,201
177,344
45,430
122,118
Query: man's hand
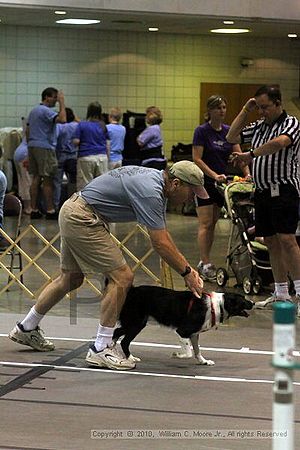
250,105
60,97
241,159
194,283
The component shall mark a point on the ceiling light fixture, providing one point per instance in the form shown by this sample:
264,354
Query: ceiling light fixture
60,12
292,35
228,22
153,29
77,21
230,30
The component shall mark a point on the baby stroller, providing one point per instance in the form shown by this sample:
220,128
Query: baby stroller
247,258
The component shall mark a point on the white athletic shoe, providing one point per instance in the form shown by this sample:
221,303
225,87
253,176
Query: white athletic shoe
208,272
268,303
109,357
33,338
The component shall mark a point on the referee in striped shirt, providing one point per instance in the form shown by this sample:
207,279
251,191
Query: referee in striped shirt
274,154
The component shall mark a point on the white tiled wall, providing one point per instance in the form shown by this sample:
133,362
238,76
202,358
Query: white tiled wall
135,70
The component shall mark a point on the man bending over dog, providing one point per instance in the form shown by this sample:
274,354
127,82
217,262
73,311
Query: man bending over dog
129,193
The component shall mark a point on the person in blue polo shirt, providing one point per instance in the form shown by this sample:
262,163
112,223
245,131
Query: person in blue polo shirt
116,136
41,140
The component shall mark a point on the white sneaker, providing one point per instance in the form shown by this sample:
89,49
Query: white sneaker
267,304
109,357
207,271
33,338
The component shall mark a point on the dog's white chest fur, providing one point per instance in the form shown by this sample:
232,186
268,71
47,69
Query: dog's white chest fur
214,302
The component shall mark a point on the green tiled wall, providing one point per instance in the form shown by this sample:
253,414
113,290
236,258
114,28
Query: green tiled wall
135,70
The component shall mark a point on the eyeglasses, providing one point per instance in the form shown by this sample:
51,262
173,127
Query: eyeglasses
264,107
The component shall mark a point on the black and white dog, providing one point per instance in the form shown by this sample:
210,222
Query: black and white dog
180,310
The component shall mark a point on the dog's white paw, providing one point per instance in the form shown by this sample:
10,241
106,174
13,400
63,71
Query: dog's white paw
134,358
205,362
181,355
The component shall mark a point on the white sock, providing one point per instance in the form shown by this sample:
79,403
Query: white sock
104,337
282,290
297,286
32,320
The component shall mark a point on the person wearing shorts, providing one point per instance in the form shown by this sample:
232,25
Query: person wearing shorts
41,140
211,153
275,141
125,194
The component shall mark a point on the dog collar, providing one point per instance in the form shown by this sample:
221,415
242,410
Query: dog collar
192,299
212,309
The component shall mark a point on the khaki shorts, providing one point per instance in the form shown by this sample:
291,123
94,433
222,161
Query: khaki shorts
42,161
86,244
90,167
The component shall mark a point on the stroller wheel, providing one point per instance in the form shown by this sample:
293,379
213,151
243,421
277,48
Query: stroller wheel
221,277
256,285
247,285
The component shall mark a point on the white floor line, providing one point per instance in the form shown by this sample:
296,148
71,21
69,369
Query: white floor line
244,350
144,374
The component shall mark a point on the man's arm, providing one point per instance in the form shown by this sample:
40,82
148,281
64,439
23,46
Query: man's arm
166,248
273,146
62,117
234,133
245,169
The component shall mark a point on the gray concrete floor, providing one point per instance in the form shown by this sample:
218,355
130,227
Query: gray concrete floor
54,400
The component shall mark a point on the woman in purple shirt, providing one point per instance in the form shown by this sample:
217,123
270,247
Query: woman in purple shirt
211,153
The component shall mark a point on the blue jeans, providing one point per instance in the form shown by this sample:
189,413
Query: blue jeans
68,165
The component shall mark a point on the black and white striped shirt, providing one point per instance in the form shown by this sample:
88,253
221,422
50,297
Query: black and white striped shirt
281,167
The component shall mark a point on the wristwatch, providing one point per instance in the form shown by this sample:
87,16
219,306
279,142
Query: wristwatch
187,271
251,151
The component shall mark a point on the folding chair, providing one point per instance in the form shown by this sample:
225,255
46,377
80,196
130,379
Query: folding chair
13,207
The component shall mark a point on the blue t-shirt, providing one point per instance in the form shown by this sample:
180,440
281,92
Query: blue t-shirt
127,194
42,127
116,135
216,149
65,136
92,136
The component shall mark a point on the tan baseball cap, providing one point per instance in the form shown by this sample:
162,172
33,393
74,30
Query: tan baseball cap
189,172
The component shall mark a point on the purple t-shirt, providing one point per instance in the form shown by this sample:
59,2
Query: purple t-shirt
92,136
151,137
216,149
